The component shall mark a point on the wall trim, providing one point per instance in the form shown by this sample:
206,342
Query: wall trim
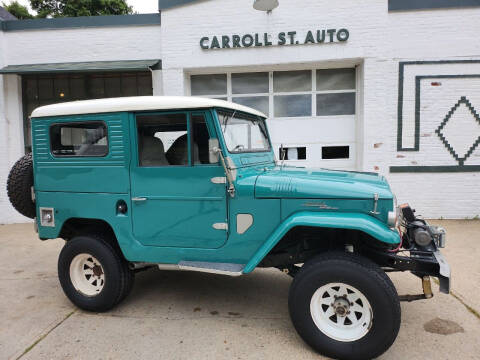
401,71
405,5
438,131
435,169
81,22
167,4
418,98
83,67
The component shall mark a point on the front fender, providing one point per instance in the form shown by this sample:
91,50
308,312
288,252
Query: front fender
351,221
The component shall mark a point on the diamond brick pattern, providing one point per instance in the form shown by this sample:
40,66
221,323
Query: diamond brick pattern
469,132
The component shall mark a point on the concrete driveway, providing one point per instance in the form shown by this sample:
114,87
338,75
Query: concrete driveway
183,315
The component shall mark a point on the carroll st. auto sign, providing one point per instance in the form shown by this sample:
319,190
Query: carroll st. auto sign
266,39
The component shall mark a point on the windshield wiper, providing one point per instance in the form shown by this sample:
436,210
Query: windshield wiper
226,119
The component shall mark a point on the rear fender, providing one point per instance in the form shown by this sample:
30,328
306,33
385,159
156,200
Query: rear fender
350,221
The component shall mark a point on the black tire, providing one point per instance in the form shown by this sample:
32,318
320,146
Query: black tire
370,280
130,281
111,239
19,186
118,277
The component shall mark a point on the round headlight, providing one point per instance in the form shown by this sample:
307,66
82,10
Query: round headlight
392,218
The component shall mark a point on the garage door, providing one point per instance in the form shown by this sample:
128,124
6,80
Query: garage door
311,112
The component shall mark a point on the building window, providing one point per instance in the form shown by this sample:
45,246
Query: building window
292,93
335,92
335,152
293,153
250,83
209,84
251,89
46,89
79,139
284,94
336,104
309,109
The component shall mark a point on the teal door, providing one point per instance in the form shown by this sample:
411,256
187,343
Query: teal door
177,198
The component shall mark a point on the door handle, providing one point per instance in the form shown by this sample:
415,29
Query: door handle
139,199
219,180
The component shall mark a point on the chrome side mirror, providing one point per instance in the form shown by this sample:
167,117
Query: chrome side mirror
215,155
213,151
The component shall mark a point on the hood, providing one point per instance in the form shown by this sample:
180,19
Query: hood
304,183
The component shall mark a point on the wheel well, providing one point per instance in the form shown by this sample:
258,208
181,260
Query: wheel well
82,226
302,242
77,226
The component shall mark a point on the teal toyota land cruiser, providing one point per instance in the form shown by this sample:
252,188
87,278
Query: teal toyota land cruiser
192,184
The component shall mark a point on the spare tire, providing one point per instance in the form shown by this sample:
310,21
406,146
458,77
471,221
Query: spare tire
19,186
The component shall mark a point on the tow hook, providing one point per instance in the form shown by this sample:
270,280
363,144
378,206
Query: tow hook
427,292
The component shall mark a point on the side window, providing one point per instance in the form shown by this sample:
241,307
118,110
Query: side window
162,140
79,139
200,139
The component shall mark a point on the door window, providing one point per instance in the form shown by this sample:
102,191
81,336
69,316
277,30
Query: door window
163,140
200,139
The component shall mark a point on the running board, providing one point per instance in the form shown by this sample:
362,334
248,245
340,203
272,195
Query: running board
207,267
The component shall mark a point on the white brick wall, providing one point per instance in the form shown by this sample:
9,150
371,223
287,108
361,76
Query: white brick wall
11,138
183,27
430,35
11,135
378,42
83,44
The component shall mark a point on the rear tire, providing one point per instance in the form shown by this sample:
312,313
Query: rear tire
19,186
92,273
344,306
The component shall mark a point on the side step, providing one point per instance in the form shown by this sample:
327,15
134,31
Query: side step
207,267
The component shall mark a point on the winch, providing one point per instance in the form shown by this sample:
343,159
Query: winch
421,233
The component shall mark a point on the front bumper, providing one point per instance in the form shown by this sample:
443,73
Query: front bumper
444,272
421,262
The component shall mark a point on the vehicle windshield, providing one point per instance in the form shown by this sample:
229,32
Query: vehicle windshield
243,133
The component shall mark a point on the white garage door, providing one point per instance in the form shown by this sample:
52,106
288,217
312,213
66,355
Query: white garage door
311,112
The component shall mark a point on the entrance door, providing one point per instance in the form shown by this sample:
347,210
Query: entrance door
175,203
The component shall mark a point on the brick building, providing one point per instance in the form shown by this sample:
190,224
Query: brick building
387,86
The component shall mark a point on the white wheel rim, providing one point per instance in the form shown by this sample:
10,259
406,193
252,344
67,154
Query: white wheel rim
341,312
87,275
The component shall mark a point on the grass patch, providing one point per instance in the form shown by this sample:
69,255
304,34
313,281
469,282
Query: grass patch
468,307
44,335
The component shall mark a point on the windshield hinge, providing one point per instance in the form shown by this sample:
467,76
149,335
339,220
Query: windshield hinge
375,205
228,172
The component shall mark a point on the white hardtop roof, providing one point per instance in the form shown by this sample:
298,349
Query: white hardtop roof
137,103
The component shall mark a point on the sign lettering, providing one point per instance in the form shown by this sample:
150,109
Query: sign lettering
281,39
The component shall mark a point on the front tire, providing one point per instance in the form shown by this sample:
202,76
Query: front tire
344,306
92,274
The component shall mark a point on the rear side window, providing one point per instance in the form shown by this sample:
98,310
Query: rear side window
79,139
